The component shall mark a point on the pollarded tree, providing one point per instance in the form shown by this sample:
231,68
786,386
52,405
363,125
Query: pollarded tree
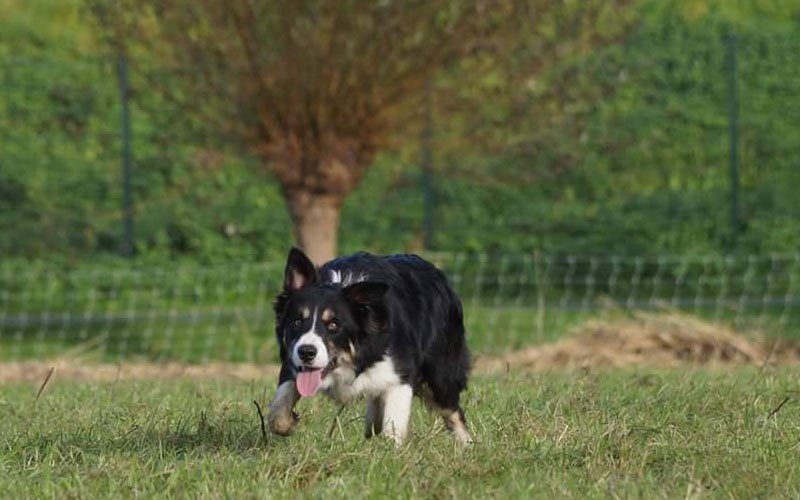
315,87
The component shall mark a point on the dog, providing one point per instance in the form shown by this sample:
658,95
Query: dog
382,328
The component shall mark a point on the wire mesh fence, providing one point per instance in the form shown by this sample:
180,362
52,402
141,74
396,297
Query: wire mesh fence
673,141
195,313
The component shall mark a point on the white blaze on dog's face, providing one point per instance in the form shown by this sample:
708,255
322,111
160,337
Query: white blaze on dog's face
309,349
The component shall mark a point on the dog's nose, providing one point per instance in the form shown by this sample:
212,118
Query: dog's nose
307,352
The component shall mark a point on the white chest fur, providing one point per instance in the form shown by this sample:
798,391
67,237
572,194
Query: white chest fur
344,386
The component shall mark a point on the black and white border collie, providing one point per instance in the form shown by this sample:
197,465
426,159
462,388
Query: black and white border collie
379,327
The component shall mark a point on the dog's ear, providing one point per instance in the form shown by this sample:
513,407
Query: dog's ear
366,293
300,272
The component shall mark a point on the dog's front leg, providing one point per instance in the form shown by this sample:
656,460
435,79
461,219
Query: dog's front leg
373,418
282,418
396,411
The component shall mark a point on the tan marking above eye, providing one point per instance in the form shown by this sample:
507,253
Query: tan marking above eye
327,315
305,311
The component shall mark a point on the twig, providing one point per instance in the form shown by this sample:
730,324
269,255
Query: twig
114,385
46,380
80,349
778,408
261,417
336,419
769,355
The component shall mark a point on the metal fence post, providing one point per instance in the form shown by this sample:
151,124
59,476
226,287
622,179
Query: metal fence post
733,134
125,135
428,192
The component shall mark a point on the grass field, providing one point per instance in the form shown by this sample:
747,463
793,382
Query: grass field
719,433
491,330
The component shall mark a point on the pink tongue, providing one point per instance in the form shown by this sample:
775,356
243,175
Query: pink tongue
308,382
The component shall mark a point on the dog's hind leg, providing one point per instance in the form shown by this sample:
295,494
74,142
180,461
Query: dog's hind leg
282,417
455,422
444,401
396,411
373,418
444,375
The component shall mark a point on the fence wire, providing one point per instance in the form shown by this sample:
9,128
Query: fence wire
193,313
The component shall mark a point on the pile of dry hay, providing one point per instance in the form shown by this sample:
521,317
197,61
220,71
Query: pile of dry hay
662,339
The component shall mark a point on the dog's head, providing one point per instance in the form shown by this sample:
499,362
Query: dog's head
322,325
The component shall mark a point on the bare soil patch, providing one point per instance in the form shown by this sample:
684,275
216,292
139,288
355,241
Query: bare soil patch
72,369
652,340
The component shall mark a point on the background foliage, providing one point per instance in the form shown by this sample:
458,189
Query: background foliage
619,150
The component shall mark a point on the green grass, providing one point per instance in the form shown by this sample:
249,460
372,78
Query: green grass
619,433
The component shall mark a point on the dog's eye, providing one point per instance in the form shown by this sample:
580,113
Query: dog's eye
333,326
297,323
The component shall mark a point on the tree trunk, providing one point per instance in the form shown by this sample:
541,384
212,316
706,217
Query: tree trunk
315,222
